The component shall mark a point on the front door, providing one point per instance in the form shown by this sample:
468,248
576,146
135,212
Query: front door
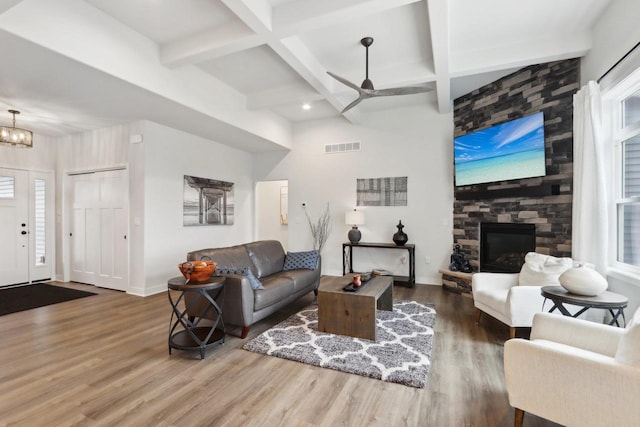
14,226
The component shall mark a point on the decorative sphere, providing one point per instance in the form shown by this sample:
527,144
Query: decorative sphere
583,281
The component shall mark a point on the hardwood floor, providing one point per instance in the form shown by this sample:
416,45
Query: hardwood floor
104,361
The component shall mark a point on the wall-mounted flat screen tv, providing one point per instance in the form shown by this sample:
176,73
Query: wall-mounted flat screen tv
511,150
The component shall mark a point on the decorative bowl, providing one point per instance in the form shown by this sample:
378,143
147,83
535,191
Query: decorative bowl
583,281
197,271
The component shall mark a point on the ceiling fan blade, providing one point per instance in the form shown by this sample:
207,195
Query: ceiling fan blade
400,91
353,104
344,81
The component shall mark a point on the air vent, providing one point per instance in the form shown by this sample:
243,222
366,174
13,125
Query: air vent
341,147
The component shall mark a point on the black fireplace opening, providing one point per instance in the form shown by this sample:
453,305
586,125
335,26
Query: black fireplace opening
503,246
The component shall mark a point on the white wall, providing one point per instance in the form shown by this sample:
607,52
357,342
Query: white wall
614,34
169,155
267,219
415,142
41,157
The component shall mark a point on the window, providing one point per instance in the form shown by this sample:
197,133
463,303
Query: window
625,117
39,213
7,187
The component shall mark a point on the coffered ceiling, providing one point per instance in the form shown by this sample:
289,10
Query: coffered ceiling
239,71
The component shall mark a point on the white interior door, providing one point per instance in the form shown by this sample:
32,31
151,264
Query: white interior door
99,227
14,226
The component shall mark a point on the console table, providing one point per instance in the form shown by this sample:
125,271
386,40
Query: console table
408,281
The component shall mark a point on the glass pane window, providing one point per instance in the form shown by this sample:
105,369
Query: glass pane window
629,233
40,235
631,109
7,187
631,171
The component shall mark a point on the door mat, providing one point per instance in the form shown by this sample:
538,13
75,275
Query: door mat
20,298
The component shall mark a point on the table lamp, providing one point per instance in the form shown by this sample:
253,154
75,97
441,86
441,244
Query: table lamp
354,218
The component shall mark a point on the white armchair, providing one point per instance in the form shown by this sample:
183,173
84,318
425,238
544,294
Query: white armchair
513,298
575,372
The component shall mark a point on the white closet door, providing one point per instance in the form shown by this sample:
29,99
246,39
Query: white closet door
14,226
99,227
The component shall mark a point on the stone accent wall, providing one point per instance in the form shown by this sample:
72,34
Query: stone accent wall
545,87
456,281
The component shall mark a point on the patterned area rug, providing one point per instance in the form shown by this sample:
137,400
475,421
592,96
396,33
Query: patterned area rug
400,355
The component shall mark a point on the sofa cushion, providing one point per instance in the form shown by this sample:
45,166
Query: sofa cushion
245,271
267,257
541,270
276,288
231,257
629,347
301,260
301,278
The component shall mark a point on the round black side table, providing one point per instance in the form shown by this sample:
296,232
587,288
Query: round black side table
199,301
614,303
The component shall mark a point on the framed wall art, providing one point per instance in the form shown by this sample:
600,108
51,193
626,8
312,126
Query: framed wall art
382,191
207,202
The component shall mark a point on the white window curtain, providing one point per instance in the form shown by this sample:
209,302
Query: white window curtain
591,160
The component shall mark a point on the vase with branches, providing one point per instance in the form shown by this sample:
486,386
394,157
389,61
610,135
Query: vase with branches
320,228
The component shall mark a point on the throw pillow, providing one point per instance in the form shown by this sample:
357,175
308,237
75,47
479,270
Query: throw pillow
541,270
301,260
245,271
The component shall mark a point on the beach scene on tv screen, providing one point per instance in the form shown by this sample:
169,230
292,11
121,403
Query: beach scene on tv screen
511,150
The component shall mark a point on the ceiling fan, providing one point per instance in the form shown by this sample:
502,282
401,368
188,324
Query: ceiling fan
366,90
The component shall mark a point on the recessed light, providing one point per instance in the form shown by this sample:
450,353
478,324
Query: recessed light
306,106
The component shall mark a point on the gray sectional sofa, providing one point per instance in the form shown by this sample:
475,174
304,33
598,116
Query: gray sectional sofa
243,306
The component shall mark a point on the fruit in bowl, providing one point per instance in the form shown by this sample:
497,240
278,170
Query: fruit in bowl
197,271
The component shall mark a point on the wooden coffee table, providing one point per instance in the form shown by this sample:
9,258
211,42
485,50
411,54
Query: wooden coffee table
353,313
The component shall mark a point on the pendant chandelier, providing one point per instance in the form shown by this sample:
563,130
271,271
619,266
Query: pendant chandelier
14,136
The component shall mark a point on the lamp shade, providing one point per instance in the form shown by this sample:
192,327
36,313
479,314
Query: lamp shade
354,218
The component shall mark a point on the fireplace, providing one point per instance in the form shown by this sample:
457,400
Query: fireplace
504,245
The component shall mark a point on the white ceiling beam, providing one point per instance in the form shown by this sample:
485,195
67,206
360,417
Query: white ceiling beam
519,55
216,42
263,25
439,26
254,30
296,54
106,45
256,14
7,4
290,94
291,49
